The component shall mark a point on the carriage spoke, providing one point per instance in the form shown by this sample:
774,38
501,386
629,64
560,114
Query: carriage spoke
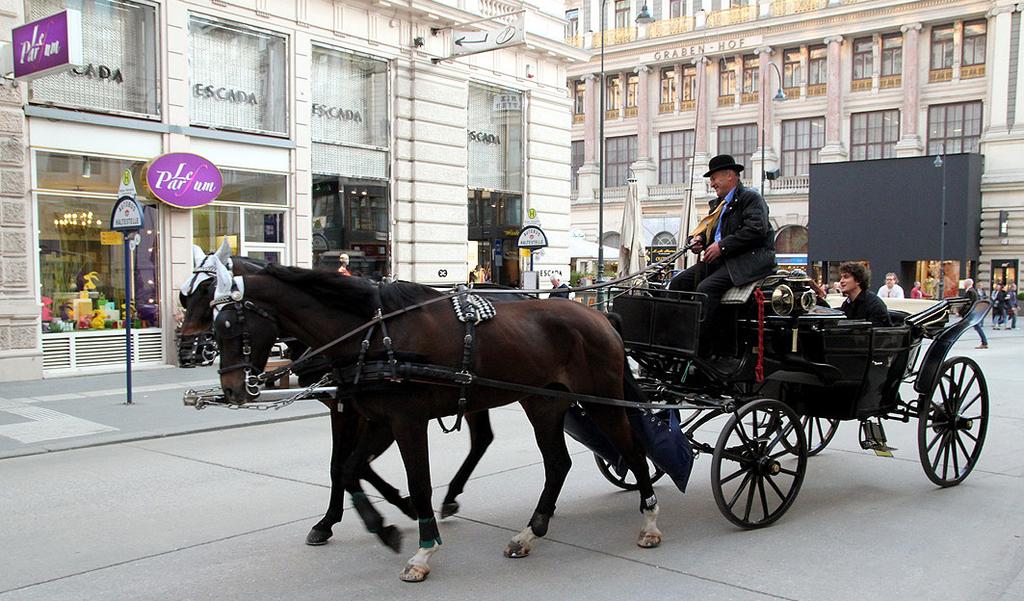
776,488
739,491
934,440
764,497
783,434
733,475
953,451
963,447
973,437
945,458
743,434
750,502
970,404
821,434
938,453
783,470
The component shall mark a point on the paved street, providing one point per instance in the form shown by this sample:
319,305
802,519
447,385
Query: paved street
136,510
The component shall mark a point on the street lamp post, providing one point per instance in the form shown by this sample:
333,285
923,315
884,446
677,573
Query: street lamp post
780,95
939,163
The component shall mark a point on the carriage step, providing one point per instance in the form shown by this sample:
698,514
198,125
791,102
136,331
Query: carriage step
872,437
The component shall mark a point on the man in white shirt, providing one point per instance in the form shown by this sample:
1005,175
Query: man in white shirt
890,289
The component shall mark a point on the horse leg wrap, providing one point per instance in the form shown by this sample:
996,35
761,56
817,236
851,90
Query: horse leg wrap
649,503
370,516
429,535
539,523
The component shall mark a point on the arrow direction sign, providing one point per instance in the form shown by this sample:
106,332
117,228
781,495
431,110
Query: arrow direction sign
498,35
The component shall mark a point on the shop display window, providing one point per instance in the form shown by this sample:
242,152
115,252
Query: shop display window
250,213
237,77
81,262
495,138
119,49
350,216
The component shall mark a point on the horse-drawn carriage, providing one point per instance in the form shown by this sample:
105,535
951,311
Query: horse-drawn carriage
788,372
783,373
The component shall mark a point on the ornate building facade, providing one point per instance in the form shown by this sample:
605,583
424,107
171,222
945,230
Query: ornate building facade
786,83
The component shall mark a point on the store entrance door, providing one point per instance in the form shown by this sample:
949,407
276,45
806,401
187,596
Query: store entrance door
1005,271
498,259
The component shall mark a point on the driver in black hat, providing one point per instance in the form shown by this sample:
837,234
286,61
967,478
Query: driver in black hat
737,239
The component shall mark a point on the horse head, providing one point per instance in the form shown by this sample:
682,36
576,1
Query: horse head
245,333
196,292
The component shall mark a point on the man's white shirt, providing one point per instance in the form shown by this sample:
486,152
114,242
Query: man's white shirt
894,292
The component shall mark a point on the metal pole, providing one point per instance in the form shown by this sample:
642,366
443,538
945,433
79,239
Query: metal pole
600,166
128,315
942,233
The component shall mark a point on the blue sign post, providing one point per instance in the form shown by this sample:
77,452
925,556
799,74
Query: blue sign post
127,218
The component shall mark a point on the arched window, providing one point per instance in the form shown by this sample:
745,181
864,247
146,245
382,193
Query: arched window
663,239
791,240
611,239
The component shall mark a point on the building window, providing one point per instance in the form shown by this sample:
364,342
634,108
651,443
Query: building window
120,70
572,25
663,239
801,141
631,89
954,128
817,65
738,141
238,78
791,68
892,55
690,82
874,135
974,43
675,153
250,213
578,94
668,85
619,155
727,77
495,138
621,14
613,93
750,70
862,48
576,161
942,47
676,8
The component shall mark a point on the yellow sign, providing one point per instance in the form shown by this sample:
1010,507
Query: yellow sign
524,252
111,238
531,213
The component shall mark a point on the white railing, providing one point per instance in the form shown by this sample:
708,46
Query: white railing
668,190
791,183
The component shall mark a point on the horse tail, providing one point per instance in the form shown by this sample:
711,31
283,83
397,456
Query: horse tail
630,388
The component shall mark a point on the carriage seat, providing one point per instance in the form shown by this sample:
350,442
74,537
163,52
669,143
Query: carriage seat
738,295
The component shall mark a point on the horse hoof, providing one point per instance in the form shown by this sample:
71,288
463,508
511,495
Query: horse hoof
516,550
414,573
648,540
315,538
449,509
391,537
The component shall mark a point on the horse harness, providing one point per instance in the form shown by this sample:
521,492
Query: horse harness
253,377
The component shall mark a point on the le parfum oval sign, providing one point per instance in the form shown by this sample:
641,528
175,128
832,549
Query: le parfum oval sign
183,180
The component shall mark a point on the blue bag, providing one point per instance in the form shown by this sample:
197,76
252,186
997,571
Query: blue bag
665,443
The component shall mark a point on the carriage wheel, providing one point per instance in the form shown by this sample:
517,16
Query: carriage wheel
952,422
818,431
627,482
755,473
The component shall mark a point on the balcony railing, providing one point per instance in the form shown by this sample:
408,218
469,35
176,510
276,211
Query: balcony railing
732,16
790,183
728,100
687,105
860,85
666,107
623,35
937,75
890,81
665,27
793,92
575,40
611,114
972,71
792,7
631,111
748,97
817,89
577,118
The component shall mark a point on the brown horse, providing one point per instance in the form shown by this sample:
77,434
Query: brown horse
196,294
571,348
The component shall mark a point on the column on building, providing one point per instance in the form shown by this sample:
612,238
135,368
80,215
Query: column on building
644,168
679,87
703,109
588,176
765,116
834,150
910,137
430,230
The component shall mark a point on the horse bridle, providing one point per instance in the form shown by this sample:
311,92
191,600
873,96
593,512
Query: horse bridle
240,306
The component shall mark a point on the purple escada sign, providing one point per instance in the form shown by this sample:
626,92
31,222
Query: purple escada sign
183,180
50,44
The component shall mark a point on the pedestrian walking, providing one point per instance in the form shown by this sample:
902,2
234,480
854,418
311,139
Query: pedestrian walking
972,293
916,291
558,287
998,306
1011,305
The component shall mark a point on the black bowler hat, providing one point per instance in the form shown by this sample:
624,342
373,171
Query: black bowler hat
723,161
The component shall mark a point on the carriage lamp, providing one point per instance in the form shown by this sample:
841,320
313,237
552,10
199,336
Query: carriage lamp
783,300
807,300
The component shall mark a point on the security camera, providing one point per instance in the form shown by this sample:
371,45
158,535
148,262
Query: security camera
419,42
772,174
